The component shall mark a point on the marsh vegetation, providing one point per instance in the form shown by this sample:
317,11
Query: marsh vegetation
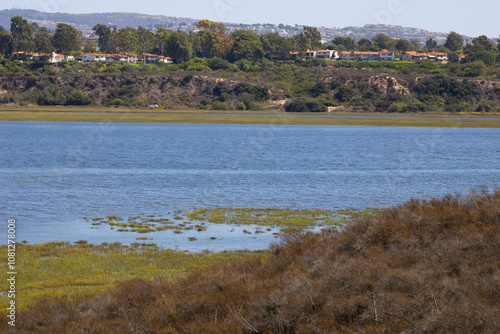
426,266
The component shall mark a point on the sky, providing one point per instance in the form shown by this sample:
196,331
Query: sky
471,18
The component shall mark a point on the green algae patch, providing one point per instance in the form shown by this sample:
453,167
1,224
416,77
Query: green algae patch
280,218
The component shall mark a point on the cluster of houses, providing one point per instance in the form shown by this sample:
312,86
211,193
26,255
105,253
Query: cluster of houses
131,58
383,55
147,58
416,56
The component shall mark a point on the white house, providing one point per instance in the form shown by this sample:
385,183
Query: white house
93,57
308,55
57,58
327,54
116,57
383,55
438,56
386,55
416,56
148,58
45,58
166,60
296,55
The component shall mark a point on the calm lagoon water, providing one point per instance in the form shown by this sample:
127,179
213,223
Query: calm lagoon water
53,174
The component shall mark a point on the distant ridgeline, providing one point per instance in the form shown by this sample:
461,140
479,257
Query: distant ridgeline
85,22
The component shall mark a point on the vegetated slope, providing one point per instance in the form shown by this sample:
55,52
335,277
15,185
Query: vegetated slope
365,91
431,267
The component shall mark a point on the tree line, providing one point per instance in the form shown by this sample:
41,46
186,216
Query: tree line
213,40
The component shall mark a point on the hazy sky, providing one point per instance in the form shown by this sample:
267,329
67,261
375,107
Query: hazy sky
472,18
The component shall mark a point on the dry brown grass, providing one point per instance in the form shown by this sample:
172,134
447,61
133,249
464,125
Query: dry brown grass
431,266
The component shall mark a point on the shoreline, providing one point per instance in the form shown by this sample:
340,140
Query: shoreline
143,115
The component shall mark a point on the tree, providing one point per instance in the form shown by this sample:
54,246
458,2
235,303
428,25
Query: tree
417,45
384,42
454,41
347,42
275,46
104,33
34,27
312,36
214,40
403,45
162,38
65,38
179,47
247,45
309,39
89,47
487,57
6,44
443,49
453,57
42,42
146,39
431,44
22,34
2,28
481,43
128,41
365,42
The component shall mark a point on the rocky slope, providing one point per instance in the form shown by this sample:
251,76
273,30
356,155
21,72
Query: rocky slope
187,91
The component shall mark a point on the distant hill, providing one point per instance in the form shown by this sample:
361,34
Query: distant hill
85,22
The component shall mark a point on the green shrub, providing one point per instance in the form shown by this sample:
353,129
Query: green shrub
217,63
476,69
451,90
487,106
414,107
305,105
244,65
259,93
319,89
241,106
125,95
196,64
345,93
78,98
217,105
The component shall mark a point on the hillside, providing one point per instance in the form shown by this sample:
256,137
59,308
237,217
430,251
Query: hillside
422,267
216,84
85,22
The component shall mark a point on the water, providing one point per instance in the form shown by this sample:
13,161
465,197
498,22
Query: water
53,174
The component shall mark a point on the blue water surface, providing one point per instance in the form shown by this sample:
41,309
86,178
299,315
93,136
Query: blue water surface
52,173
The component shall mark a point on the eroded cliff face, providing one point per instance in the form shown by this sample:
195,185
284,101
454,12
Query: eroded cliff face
186,91
175,90
491,89
387,85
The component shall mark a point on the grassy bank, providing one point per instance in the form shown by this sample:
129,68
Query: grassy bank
235,117
73,270
424,266
101,109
